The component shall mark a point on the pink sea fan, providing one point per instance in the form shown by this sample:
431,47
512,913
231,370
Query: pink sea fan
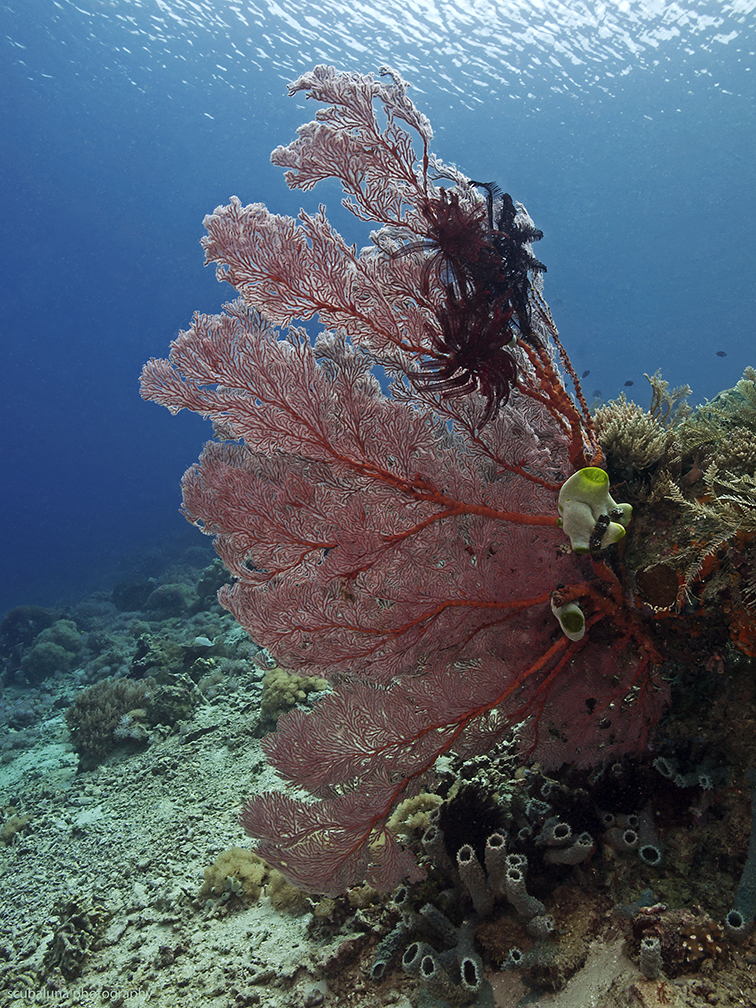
406,545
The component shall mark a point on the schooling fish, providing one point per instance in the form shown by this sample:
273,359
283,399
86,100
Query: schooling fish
629,383
585,374
721,353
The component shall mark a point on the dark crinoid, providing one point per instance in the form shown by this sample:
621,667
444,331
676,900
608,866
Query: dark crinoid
483,263
512,236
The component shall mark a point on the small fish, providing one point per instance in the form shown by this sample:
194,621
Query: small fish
628,384
585,374
596,394
721,353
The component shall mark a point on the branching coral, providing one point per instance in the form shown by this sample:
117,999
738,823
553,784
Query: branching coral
635,440
99,717
631,434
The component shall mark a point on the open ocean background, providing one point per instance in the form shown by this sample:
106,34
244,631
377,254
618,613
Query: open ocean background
627,128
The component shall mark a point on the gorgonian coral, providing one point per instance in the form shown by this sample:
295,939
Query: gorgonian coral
404,545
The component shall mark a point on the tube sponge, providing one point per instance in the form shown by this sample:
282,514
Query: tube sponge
434,847
649,849
514,887
496,862
472,874
387,950
469,962
576,853
554,833
584,499
739,920
650,957
413,956
622,839
454,977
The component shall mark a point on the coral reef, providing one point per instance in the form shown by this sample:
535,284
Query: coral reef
169,600
404,548
167,812
471,707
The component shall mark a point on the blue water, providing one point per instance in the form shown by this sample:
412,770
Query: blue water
627,128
